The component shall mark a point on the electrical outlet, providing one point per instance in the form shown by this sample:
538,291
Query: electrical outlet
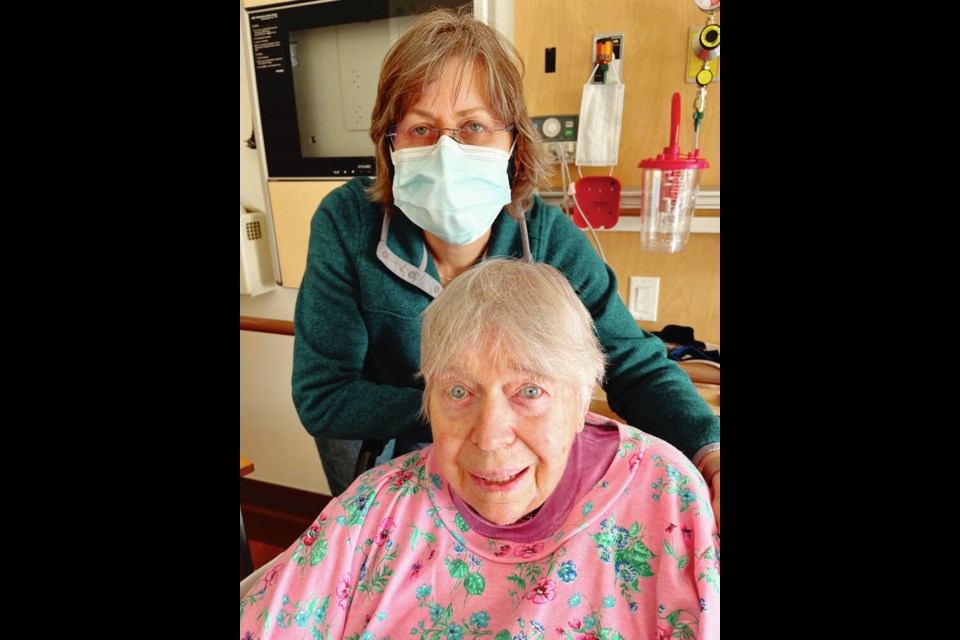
644,296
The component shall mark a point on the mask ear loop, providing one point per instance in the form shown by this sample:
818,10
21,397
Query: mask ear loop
390,165
513,169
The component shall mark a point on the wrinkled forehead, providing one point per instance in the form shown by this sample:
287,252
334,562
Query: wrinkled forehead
494,356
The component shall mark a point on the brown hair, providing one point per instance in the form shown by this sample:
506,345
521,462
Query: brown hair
419,58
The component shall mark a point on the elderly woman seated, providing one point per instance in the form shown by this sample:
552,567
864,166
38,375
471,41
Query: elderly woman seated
528,517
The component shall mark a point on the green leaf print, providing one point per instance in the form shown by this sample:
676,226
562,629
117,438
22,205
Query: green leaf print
712,577
322,616
643,569
414,537
319,552
380,580
668,548
683,561
503,635
634,530
603,539
474,584
461,524
639,552
458,569
519,581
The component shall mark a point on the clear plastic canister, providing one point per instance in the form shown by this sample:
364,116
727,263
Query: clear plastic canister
671,182
667,205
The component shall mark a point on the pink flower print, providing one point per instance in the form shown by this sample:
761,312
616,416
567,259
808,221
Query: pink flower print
635,460
270,577
590,636
575,624
415,569
401,477
662,634
343,590
324,517
544,591
502,551
311,535
387,525
528,550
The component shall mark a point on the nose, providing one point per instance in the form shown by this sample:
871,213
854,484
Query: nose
453,132
493,428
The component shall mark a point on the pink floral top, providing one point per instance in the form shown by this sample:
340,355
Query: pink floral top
637,557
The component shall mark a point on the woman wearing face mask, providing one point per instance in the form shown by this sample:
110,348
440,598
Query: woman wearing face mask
458,161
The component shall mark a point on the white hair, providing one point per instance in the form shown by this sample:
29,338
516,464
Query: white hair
526,311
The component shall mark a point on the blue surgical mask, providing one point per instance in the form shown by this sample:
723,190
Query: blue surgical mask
453,191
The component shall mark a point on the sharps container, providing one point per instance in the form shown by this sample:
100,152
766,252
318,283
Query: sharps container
670,186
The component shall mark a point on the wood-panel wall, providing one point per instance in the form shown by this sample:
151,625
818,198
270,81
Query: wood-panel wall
656,36
655,33
689,281
293,204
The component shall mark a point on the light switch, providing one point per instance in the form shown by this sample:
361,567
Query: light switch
644,296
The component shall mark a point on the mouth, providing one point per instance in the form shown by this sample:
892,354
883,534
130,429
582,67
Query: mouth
500,480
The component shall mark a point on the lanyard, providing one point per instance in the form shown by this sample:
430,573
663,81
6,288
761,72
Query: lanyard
418,276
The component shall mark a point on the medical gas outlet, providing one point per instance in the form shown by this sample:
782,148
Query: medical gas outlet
557,128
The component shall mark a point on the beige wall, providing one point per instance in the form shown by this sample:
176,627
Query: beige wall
270,431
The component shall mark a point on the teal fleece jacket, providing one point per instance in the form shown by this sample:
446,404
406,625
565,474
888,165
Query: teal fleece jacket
357,342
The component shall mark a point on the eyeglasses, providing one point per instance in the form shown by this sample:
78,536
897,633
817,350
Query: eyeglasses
479,132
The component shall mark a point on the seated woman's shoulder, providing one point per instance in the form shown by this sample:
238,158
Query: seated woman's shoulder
663,454
403,475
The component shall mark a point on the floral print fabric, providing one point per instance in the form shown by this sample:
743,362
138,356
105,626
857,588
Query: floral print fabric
637,557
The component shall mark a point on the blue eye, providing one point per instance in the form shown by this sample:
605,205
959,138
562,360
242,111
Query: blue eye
530,391
457,392
474,127
419,131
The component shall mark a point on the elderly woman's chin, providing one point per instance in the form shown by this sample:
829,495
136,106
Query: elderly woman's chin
503,496
501,507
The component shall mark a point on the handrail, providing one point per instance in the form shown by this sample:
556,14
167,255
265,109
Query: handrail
266,325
